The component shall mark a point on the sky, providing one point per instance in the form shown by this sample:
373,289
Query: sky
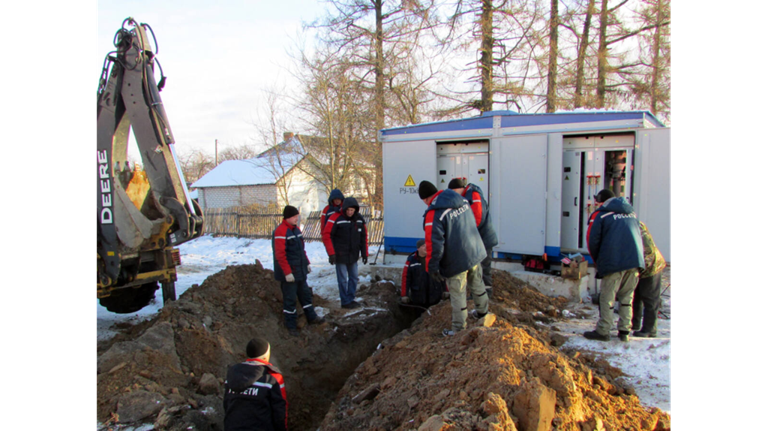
218,59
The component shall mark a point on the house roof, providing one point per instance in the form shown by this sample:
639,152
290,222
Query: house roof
263,169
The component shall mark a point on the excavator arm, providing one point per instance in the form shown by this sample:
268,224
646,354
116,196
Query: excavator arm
142,213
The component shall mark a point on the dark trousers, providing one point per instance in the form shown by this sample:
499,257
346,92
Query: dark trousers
301,290
646,303
486,265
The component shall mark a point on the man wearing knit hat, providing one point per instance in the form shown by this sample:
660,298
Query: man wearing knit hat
254,392
291,266
454,251
474,195
616,246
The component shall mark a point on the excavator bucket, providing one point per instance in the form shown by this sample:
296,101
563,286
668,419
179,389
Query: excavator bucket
142,213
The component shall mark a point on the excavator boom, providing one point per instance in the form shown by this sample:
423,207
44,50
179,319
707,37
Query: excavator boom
141,213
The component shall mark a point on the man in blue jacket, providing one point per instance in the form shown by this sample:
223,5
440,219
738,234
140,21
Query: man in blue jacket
616,246
454,251
474,195
334,205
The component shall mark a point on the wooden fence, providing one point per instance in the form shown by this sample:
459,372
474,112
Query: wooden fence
260,223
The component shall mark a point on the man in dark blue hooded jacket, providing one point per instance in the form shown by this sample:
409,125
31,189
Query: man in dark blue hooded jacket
474,195
335,200
616,246
454,251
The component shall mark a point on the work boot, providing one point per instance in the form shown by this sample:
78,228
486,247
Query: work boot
624,336
476,314
355,304
641,334
317,320
594,335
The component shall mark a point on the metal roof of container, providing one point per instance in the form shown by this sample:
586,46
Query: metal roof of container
515,119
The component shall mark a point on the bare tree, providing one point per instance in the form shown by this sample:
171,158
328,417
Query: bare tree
195,164
239,152
554,22
506,39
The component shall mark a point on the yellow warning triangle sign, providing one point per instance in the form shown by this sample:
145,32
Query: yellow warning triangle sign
409,182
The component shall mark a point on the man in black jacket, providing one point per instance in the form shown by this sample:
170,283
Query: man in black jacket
417,287
254,393
346,239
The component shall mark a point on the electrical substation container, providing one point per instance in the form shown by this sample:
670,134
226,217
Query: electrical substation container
538,172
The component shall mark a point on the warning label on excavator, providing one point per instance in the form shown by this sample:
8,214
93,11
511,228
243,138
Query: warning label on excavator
409,182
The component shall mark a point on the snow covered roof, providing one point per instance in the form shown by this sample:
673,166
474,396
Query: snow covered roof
264,169
238,173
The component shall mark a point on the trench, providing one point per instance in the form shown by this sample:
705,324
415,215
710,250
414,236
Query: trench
319,378
205,331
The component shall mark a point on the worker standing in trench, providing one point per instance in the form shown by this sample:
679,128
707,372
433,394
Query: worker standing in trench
345,237
474,195
417,287
291,266
454,251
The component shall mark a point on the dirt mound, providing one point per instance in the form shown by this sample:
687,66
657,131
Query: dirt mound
503,377
170,370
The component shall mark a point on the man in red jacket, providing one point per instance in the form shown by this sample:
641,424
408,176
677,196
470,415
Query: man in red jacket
291,266
254,392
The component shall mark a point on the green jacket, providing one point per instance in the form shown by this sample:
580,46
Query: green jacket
654,261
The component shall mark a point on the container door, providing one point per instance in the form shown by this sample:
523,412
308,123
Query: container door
522,202
652,187
477,171
406,164
572,199
448,167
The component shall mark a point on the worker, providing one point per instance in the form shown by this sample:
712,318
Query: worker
254,392
345,237
454,252
474,195
291,266
417,287
335,200
647,298
616,247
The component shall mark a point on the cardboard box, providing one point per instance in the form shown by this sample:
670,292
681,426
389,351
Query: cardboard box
574,270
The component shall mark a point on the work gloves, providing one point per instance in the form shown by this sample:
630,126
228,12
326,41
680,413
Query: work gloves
405,300
290,278
365,260
436,276
332,259
446,295
309,269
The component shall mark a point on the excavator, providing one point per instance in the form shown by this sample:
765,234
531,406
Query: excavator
144,212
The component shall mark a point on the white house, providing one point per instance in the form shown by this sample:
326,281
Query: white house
276,176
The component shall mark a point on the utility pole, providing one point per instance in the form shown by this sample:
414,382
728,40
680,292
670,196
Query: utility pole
216,151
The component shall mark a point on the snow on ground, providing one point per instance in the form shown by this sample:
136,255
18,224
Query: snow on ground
206,255
645,361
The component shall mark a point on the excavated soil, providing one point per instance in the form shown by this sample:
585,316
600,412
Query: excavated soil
361,369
